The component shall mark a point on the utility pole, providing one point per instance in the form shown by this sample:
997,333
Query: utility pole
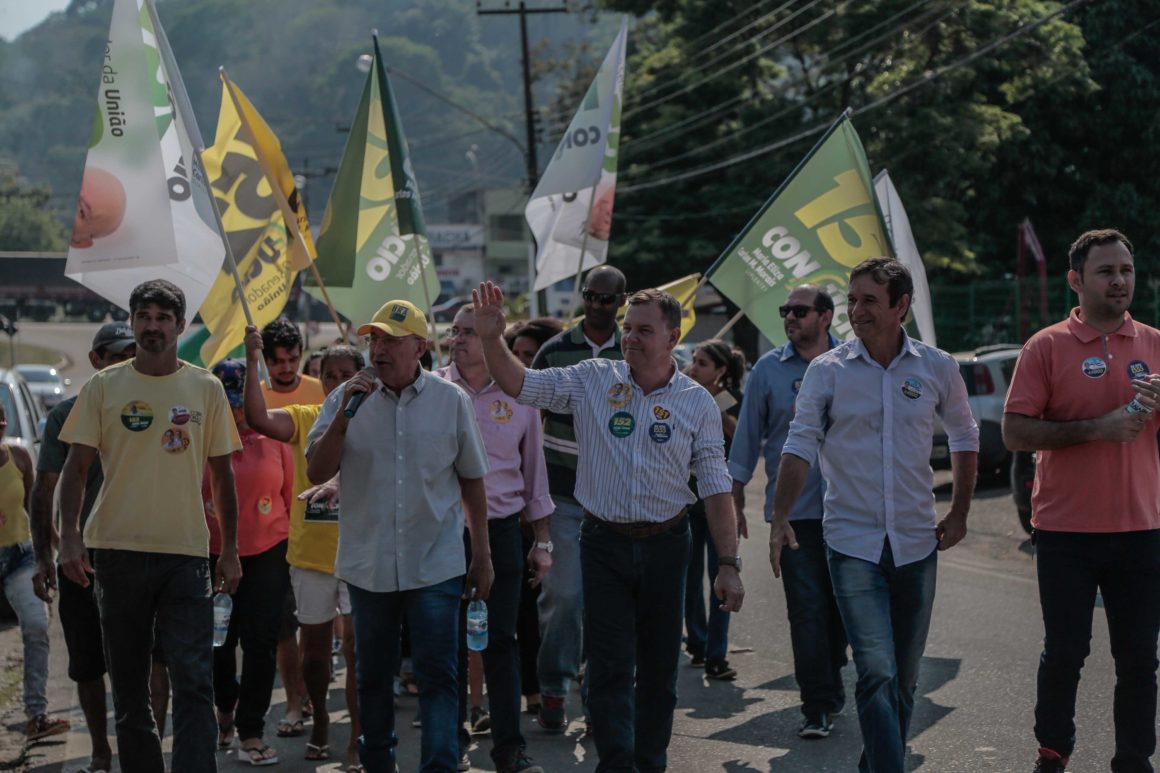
534,301
529,109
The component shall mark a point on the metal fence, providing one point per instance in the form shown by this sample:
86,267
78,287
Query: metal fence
970,314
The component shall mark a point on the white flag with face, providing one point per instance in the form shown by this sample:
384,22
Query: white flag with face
144,210
570,212
907,252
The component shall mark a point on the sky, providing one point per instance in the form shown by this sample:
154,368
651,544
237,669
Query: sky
18,15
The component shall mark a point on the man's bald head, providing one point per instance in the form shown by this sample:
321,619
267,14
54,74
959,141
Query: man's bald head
100,207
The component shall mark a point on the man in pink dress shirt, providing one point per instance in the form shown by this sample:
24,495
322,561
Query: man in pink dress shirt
517,481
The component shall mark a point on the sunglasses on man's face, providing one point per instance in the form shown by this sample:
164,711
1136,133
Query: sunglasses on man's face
799,312
605,299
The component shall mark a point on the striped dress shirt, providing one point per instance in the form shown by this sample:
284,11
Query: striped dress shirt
635,450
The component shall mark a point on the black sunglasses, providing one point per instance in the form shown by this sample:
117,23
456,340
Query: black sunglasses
799,312
606,299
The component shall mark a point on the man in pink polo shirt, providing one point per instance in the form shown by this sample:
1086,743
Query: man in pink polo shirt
517,479
1085,395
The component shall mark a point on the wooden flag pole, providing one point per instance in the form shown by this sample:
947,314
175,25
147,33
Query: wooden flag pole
729,325
583,248
233,264
280,197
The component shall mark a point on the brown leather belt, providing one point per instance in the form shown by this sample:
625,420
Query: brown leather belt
638,529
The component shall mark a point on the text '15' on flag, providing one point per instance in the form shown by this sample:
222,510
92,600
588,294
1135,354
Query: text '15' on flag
819,224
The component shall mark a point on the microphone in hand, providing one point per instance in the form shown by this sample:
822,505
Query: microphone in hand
356,401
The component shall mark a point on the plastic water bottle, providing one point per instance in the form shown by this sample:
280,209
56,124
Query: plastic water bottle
477,626
223,607
1136,407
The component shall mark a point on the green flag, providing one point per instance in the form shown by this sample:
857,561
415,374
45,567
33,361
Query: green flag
189,349
372,246
819,224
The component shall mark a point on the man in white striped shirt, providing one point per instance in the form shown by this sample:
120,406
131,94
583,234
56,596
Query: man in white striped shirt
632,482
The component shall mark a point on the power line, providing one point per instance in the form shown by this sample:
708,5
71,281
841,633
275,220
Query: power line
886,99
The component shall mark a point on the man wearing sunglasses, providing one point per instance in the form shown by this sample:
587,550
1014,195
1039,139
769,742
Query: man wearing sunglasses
561,605
873,401
816,633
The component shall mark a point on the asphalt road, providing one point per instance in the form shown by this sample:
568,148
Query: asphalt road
976,689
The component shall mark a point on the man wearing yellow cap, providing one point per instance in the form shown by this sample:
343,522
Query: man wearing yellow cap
412,462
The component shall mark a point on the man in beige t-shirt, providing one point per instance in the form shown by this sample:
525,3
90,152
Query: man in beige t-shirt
155,422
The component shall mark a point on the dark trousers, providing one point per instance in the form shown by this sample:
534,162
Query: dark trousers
1125,569
501,658
254,622
134,589
634,591
378,619
815,625
528,627
706,635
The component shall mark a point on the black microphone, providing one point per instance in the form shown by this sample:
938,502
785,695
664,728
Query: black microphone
356,401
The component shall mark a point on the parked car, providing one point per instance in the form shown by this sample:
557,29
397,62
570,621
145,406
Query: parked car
45,383
987,373
24,412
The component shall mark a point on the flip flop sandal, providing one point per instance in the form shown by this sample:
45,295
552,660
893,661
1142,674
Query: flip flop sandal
317,753
42,726
225,735
288,729
258,756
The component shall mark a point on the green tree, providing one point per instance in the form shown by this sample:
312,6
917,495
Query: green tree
26,222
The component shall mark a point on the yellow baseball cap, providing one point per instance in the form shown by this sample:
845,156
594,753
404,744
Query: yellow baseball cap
397,318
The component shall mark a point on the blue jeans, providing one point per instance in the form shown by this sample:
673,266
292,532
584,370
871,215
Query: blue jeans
815,625
1125,568
636,589
886,610
562,604
135,589
17,565
501,658
708,639
433,616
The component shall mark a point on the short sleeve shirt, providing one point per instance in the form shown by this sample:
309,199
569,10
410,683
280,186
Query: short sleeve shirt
314,535
154,435
1069,372
308,392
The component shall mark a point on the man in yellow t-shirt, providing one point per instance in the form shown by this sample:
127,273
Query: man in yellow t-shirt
313,539
155,422
282,350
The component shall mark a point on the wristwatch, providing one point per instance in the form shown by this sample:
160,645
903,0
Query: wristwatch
734,561
547,547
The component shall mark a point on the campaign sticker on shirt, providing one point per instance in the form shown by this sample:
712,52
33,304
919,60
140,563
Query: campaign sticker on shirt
265,505
1137,369
660,433
797,385
179,415
137,416
619,395
660,412
912,388
501,411
1094,367
174,440
621,424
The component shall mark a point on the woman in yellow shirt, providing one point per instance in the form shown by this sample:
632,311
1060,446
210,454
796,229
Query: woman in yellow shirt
17,566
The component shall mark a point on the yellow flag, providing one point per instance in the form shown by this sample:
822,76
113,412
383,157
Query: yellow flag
268,251
683,290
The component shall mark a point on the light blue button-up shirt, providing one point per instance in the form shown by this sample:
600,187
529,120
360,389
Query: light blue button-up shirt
766,411
871,428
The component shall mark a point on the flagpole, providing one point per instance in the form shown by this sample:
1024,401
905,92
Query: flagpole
233,265
583,248
729,325
430,311
280,197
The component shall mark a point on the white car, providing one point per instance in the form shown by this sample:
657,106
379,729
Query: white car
987,373
45,383
24,412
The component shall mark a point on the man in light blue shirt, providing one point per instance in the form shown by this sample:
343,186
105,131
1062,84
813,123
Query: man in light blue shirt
815,627
867,409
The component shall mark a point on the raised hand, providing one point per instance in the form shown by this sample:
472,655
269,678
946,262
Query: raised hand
489,317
